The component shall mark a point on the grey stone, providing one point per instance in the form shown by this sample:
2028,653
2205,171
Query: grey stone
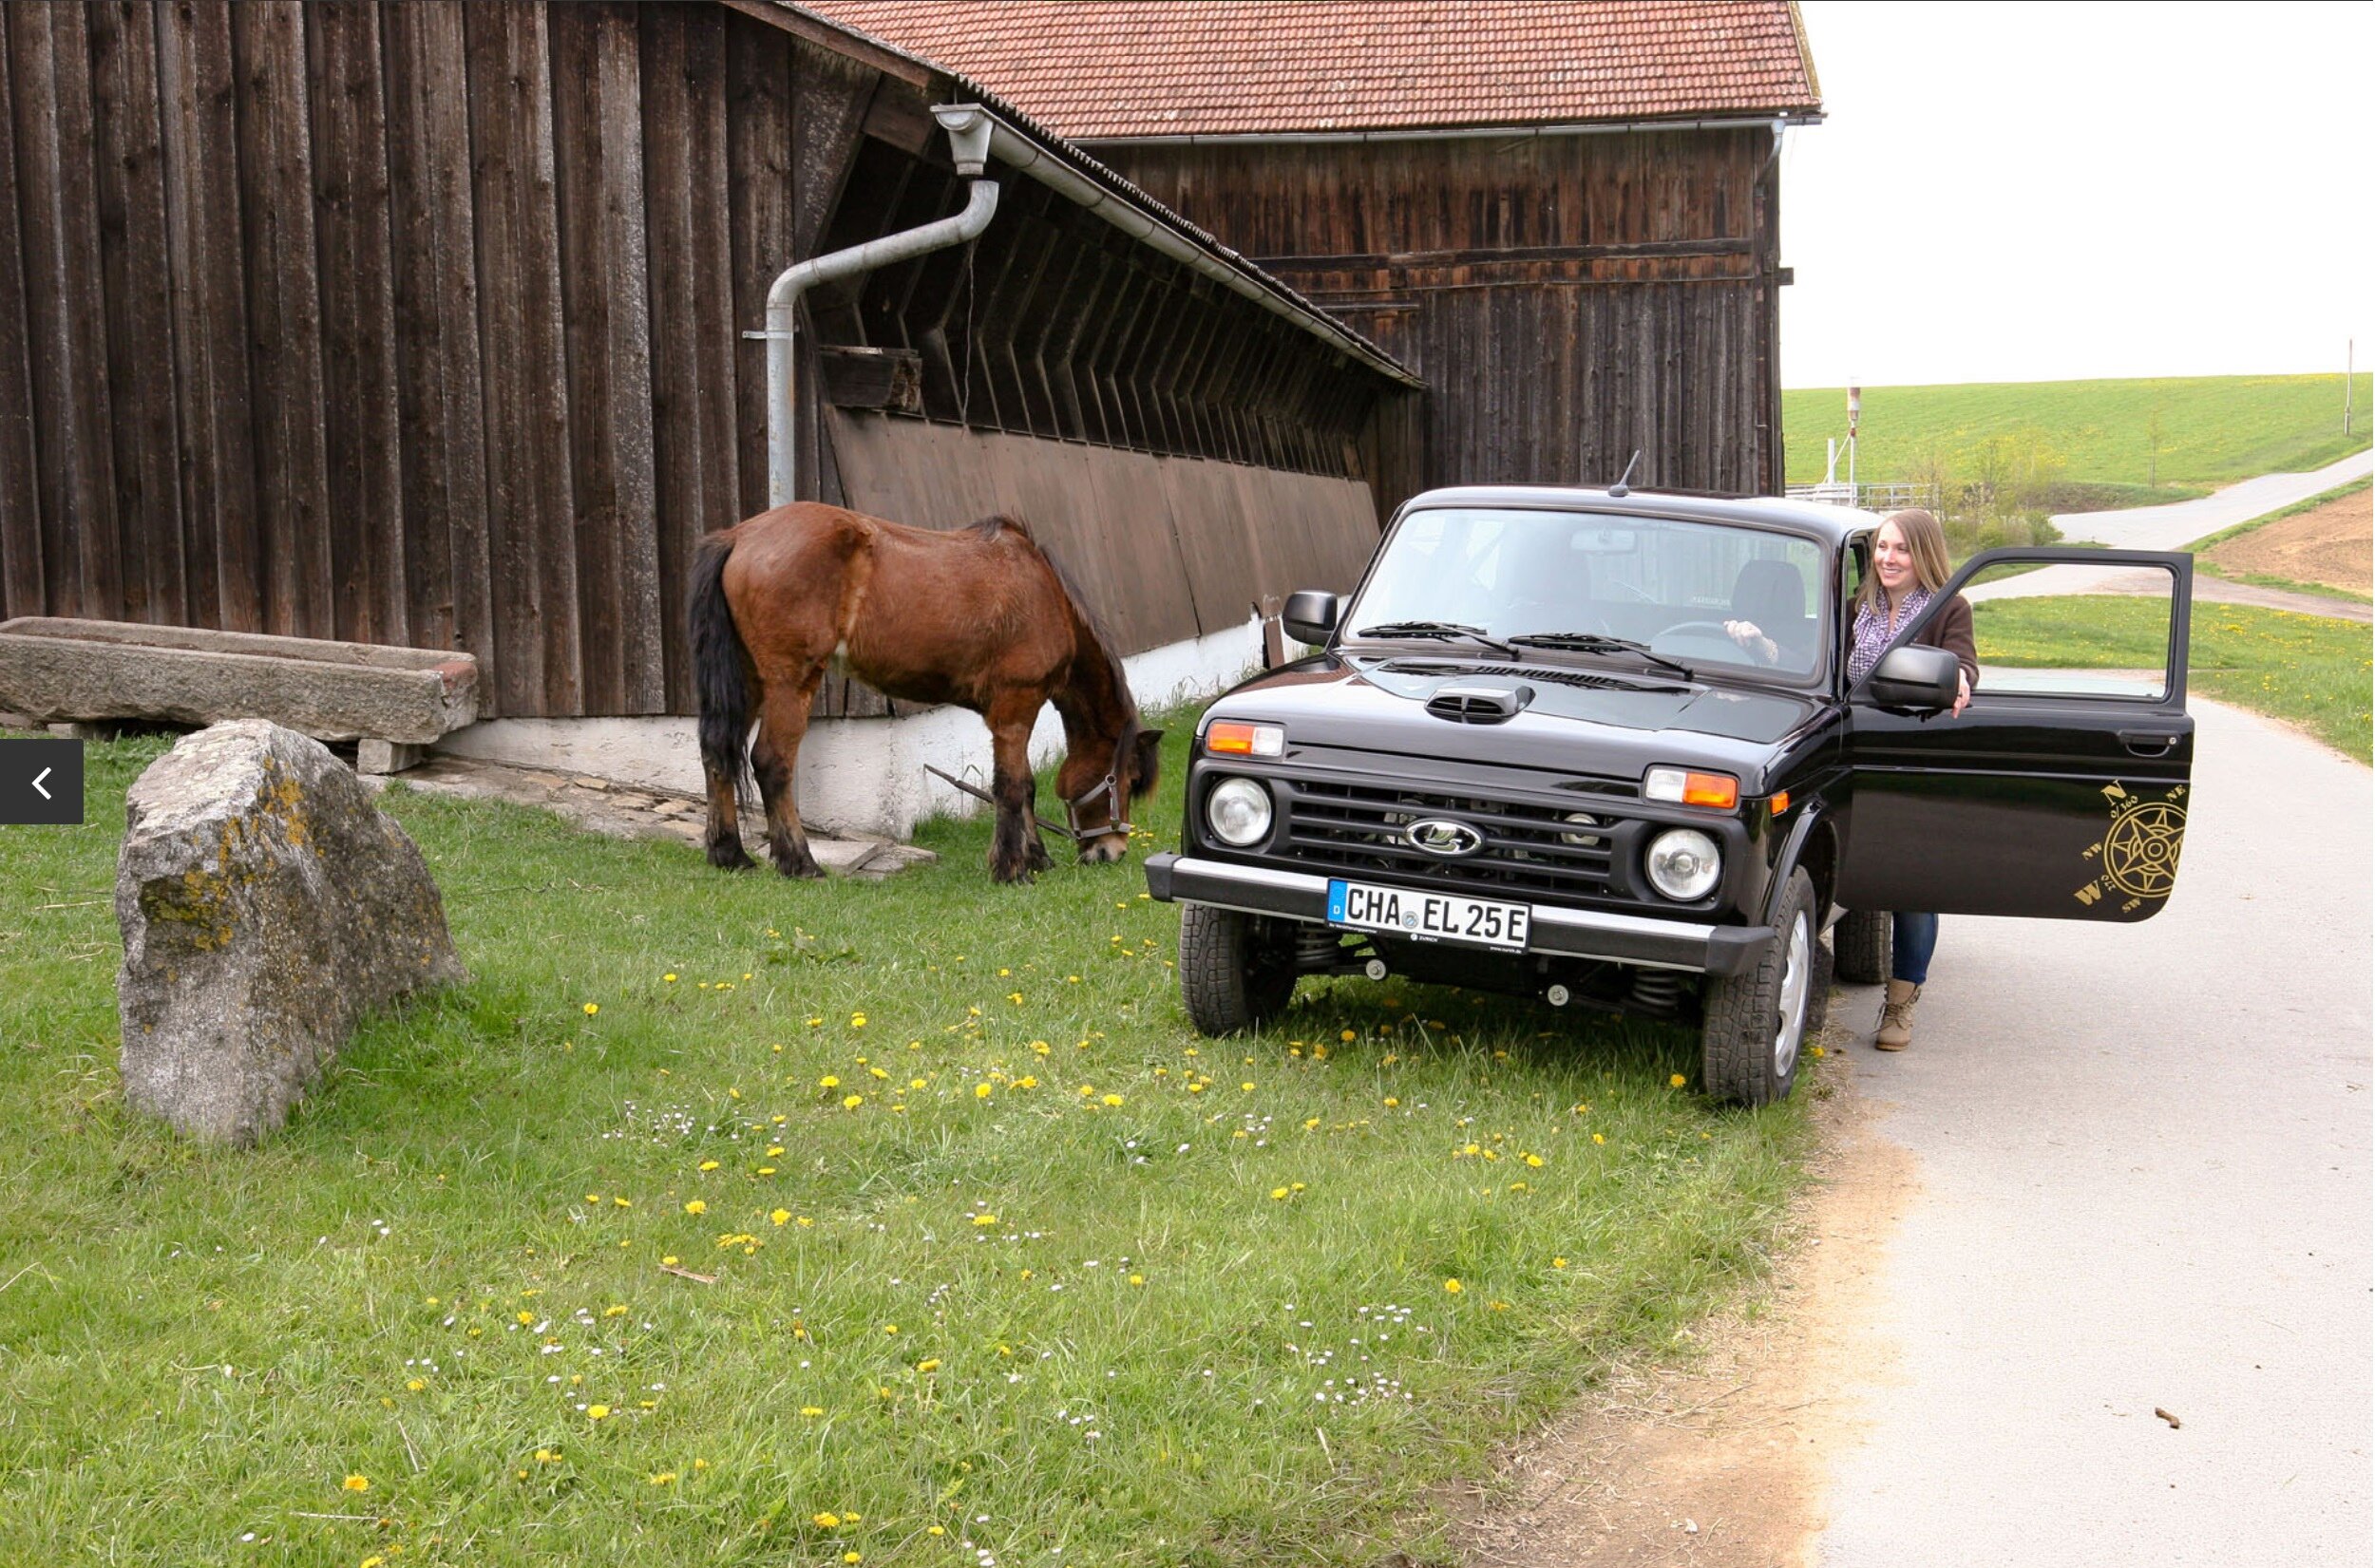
373,756
266,905
59,668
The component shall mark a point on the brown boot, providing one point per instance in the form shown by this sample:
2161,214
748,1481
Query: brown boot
1897,1017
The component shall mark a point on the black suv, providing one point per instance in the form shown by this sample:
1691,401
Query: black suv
1601,747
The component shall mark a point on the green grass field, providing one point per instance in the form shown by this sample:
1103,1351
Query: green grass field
2211,431
2312,671
1003,1261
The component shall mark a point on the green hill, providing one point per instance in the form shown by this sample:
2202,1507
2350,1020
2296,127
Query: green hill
2181,431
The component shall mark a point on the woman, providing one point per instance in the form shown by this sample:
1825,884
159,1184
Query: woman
1908,566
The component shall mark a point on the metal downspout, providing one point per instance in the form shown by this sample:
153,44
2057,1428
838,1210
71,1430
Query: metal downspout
968,129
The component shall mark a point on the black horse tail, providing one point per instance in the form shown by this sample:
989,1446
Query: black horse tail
720,683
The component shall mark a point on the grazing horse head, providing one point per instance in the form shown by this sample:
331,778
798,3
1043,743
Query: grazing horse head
1096,785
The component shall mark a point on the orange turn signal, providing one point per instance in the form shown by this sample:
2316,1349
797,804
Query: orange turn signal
1780,802
1244,740
1719,790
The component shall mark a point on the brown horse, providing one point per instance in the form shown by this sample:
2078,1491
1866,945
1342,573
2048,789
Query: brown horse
981,617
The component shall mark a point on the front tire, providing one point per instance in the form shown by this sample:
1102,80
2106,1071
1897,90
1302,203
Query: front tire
1861,945
1758,1023
1234,972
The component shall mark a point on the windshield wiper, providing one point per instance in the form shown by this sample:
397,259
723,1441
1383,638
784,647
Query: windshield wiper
1437,629
1594,642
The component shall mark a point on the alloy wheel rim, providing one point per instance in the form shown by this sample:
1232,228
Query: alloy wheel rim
1795,972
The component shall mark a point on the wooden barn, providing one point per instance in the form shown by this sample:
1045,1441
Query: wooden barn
430,325
1564,213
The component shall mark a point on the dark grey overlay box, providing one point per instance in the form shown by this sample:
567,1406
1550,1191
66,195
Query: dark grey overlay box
41,782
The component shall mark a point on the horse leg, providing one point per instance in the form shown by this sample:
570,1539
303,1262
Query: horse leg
775,758
723,840
1015,852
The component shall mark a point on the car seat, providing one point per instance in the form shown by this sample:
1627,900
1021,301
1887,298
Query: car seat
1773,594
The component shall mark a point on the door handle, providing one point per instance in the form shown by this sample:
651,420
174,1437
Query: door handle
2145,743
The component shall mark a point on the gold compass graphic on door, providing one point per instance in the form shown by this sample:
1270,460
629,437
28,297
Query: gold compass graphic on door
2137,857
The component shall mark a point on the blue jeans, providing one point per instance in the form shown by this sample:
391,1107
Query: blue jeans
1916,939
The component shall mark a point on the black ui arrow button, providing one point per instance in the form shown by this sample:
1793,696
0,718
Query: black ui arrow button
41,782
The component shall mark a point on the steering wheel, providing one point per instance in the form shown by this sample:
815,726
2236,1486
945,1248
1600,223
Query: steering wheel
1710,630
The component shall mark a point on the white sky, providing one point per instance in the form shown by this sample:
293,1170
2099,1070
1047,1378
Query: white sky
2049,191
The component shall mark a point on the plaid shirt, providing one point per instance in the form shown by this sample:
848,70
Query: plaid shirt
1872,635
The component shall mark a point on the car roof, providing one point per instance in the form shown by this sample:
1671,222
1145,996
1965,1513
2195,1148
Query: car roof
1833,524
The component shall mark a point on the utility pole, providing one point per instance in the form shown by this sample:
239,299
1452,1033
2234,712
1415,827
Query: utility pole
1854,415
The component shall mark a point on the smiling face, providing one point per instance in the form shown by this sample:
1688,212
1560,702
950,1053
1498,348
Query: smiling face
1892,561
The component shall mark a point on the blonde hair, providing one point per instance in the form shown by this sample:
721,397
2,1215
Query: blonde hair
1932,566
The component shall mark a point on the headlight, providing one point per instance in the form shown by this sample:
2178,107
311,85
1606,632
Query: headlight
1239,810
1684,863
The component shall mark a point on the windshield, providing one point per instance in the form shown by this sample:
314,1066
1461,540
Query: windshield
1669,586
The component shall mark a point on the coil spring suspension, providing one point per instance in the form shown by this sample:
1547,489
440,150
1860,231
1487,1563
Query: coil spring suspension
1657,990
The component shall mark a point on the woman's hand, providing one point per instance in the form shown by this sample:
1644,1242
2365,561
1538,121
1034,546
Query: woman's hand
1754,642
1961,697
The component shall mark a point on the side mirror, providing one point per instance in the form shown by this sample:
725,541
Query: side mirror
1310,616
1915,679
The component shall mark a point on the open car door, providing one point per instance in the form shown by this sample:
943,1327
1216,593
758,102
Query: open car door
2060,791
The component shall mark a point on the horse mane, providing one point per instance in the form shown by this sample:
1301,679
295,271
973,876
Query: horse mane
990,527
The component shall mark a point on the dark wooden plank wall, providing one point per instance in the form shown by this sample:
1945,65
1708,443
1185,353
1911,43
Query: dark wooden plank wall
413,324
1568,298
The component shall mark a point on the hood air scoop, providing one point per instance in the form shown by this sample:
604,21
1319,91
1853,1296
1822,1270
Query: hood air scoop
1479,704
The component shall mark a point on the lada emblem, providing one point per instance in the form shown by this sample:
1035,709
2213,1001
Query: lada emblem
1442,836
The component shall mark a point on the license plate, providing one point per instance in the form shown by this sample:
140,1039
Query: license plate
1426,917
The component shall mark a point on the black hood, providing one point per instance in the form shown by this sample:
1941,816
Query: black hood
1608,723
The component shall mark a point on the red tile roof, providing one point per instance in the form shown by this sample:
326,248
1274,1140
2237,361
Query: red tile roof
1091,69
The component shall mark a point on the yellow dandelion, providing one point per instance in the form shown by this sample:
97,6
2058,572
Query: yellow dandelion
980,1091
1558,1262
781,1216
709,1165
662,1478
825,1521
1451,1287
696,1206
829,1082
890,1327
857,1020
597,1412
985,1219
1348,1036
356,1484
1112,1099
593,1007
1534,1160
853,1557
1392,1104
1599,1138
1677,1080
414,1384
671,978
811,1410
1277,1193
928,1366
852,1102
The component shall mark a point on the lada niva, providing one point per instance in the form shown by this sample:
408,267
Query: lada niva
1601,747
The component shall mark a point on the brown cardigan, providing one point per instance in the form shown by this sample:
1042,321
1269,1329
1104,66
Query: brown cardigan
1950,629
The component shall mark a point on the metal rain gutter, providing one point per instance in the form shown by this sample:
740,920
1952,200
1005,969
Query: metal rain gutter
1450,133
969,135
1027,157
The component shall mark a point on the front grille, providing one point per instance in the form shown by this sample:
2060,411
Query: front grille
1528,849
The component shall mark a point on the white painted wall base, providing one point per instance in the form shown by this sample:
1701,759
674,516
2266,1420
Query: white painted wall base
856,775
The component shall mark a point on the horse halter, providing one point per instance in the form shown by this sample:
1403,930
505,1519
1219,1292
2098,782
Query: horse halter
1109,786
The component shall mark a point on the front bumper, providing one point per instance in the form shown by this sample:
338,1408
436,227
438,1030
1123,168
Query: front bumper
1573,933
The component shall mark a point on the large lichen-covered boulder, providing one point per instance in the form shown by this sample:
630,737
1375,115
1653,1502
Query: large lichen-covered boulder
266,903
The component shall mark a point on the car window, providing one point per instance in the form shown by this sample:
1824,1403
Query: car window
1671,585
2073,631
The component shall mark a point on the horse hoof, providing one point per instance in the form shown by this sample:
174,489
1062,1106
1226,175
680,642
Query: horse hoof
806,869
731,857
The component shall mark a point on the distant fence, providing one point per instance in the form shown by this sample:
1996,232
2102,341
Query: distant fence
1872,498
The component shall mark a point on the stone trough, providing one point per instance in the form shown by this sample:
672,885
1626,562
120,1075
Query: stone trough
393,701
